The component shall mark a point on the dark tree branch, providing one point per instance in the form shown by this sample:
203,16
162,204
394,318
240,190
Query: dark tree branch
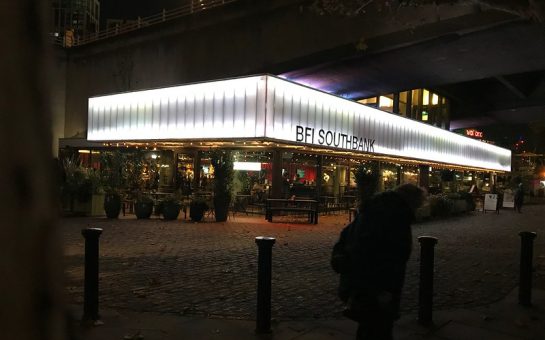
527,9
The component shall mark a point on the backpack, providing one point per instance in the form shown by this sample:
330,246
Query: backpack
340,257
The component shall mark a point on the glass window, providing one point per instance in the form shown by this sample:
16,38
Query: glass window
434,99
425,116
403,103
386,103
426,97
369,101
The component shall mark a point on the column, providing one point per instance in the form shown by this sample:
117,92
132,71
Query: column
277,180
424,176
319,176
196,169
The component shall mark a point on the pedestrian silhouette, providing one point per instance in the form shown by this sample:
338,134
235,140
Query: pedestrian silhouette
371,257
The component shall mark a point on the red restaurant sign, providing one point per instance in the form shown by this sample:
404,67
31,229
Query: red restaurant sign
474,133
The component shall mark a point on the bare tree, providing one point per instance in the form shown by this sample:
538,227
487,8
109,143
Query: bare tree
527,9
30,262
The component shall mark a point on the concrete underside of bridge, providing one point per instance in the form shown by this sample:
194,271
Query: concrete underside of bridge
489,63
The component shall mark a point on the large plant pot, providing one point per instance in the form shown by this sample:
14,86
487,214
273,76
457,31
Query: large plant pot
221,209
143,210
196,212
112,205
171,211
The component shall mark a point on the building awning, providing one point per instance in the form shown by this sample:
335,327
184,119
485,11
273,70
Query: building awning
272,108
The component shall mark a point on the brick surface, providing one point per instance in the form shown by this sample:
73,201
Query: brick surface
210,268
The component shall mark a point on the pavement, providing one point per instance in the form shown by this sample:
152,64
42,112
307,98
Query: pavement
182,280
503,320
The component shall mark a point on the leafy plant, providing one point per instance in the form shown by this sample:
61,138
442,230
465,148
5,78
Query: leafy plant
133,167
222,162
440,206
78,183
146,199
111,164
367,179
197,207
242,182
199,202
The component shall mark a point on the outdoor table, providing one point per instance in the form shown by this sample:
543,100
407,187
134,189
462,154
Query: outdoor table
309,207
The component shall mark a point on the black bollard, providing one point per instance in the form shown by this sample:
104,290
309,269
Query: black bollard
90,293
425,296
526,256
264,268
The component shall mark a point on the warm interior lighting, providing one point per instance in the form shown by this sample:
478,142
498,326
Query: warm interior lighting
84,151
434,99
367,101
425,116
247,166
386,102
425,97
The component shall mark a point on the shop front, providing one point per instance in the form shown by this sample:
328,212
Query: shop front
287,139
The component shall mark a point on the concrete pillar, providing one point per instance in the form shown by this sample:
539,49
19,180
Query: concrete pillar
196,169
424,176
277,180
380,177
409,113
395,108
319,176
399,174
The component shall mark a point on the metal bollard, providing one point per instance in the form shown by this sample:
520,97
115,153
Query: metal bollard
526,256
264,265
90,293
425,296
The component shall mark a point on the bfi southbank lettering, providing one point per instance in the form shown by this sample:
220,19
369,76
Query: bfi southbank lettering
336,139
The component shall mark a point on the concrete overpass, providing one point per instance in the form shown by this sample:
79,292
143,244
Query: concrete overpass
488,62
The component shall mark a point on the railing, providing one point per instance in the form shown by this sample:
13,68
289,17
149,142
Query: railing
192,6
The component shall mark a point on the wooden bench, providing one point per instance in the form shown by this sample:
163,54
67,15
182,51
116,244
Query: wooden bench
309,207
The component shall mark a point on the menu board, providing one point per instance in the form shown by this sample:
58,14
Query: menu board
490,201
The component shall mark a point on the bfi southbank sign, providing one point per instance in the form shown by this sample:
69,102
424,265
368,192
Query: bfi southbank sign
309,135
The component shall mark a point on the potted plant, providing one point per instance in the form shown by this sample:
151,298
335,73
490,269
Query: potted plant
197,208
112,204
222,162
111,165
170,208
143,207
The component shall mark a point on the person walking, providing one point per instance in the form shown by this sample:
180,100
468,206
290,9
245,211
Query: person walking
519,198
371,257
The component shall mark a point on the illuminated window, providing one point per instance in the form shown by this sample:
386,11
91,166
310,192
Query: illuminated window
424,115
368,101
425,98
434,99
386,102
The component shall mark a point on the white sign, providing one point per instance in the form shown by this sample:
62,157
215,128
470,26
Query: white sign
248,166
490,201
508,199
270,108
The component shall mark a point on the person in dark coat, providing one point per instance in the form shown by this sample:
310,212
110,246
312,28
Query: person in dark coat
519,198
371,257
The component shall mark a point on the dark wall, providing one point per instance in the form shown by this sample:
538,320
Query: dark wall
243,38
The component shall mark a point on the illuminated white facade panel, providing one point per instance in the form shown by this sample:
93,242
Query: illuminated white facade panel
344,124
273,108
221,109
